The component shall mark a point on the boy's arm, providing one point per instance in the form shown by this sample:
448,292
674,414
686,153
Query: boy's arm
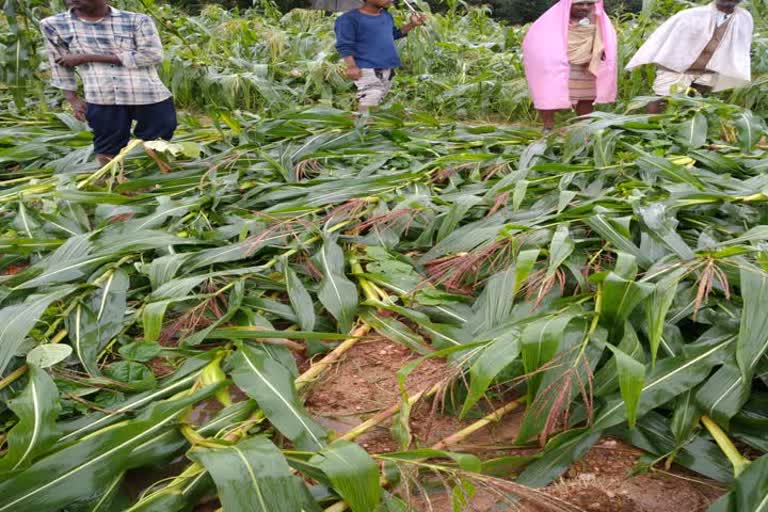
346,45
416,20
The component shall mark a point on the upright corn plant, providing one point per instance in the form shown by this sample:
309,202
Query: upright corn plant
612,281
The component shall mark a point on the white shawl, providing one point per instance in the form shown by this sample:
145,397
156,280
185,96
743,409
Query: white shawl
679,41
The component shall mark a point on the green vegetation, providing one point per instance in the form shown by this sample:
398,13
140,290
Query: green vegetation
612,278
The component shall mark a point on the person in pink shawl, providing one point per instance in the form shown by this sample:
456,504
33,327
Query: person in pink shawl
569,55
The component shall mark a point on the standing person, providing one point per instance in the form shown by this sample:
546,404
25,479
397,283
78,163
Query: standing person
365,38
706,48
569,55
115,53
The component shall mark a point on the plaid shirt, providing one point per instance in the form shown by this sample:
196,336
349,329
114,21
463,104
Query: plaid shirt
129,36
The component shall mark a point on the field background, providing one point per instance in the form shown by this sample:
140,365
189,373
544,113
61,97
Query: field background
435,308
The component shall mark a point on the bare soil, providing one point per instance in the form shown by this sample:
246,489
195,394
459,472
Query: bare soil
364,382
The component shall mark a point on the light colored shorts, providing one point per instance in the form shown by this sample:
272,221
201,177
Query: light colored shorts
373,86
669,82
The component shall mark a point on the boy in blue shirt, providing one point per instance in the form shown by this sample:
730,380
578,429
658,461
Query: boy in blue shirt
365,38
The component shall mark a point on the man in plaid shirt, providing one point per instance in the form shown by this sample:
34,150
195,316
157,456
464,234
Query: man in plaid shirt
115,53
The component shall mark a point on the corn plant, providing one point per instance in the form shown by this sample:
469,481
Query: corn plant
611,280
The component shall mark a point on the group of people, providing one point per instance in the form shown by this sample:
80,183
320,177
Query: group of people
569,55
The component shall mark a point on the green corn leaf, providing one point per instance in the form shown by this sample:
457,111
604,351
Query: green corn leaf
693,131
606,379
698,454
656,309
337,293
724,393
631,378
750,130
181,379
253,475
523,267
466,461
396,331
352,473
17,320
152,319
749,493
620,296
561,451
753,331
670,378
620,238
90,465
300,299
495,303
685,417
663,226
560,248
271,385
36,408
539,342
497,355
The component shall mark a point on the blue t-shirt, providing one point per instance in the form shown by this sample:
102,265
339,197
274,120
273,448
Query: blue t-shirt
369,39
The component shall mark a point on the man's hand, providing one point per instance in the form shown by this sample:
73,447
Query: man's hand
354,73
71,60
78,107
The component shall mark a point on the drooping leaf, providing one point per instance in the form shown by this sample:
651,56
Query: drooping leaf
693,131
753,331
253,475
36,409
671,377
353,474
656,309
724,393
631,378
539,343
561,451
88,466
620,296
396,331
301,301
271,385
749,492
338,294
496,356
560,248
17,320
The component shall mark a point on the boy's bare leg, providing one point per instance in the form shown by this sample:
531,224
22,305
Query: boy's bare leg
547,118
584,107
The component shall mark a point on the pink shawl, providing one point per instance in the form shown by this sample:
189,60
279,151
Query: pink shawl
545,57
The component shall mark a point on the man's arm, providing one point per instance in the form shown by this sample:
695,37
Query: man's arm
72,60
149,47
62,77
346,45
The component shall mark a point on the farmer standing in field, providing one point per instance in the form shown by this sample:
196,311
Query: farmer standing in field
706,48
115,53
365,38
569,55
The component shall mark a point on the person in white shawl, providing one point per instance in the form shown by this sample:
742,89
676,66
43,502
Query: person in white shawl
706,48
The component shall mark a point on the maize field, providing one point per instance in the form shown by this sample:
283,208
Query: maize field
434,308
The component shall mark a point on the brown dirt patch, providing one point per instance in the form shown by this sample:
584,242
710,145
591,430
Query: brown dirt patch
364,382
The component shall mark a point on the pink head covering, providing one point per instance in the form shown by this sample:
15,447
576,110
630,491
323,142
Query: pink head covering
545,57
